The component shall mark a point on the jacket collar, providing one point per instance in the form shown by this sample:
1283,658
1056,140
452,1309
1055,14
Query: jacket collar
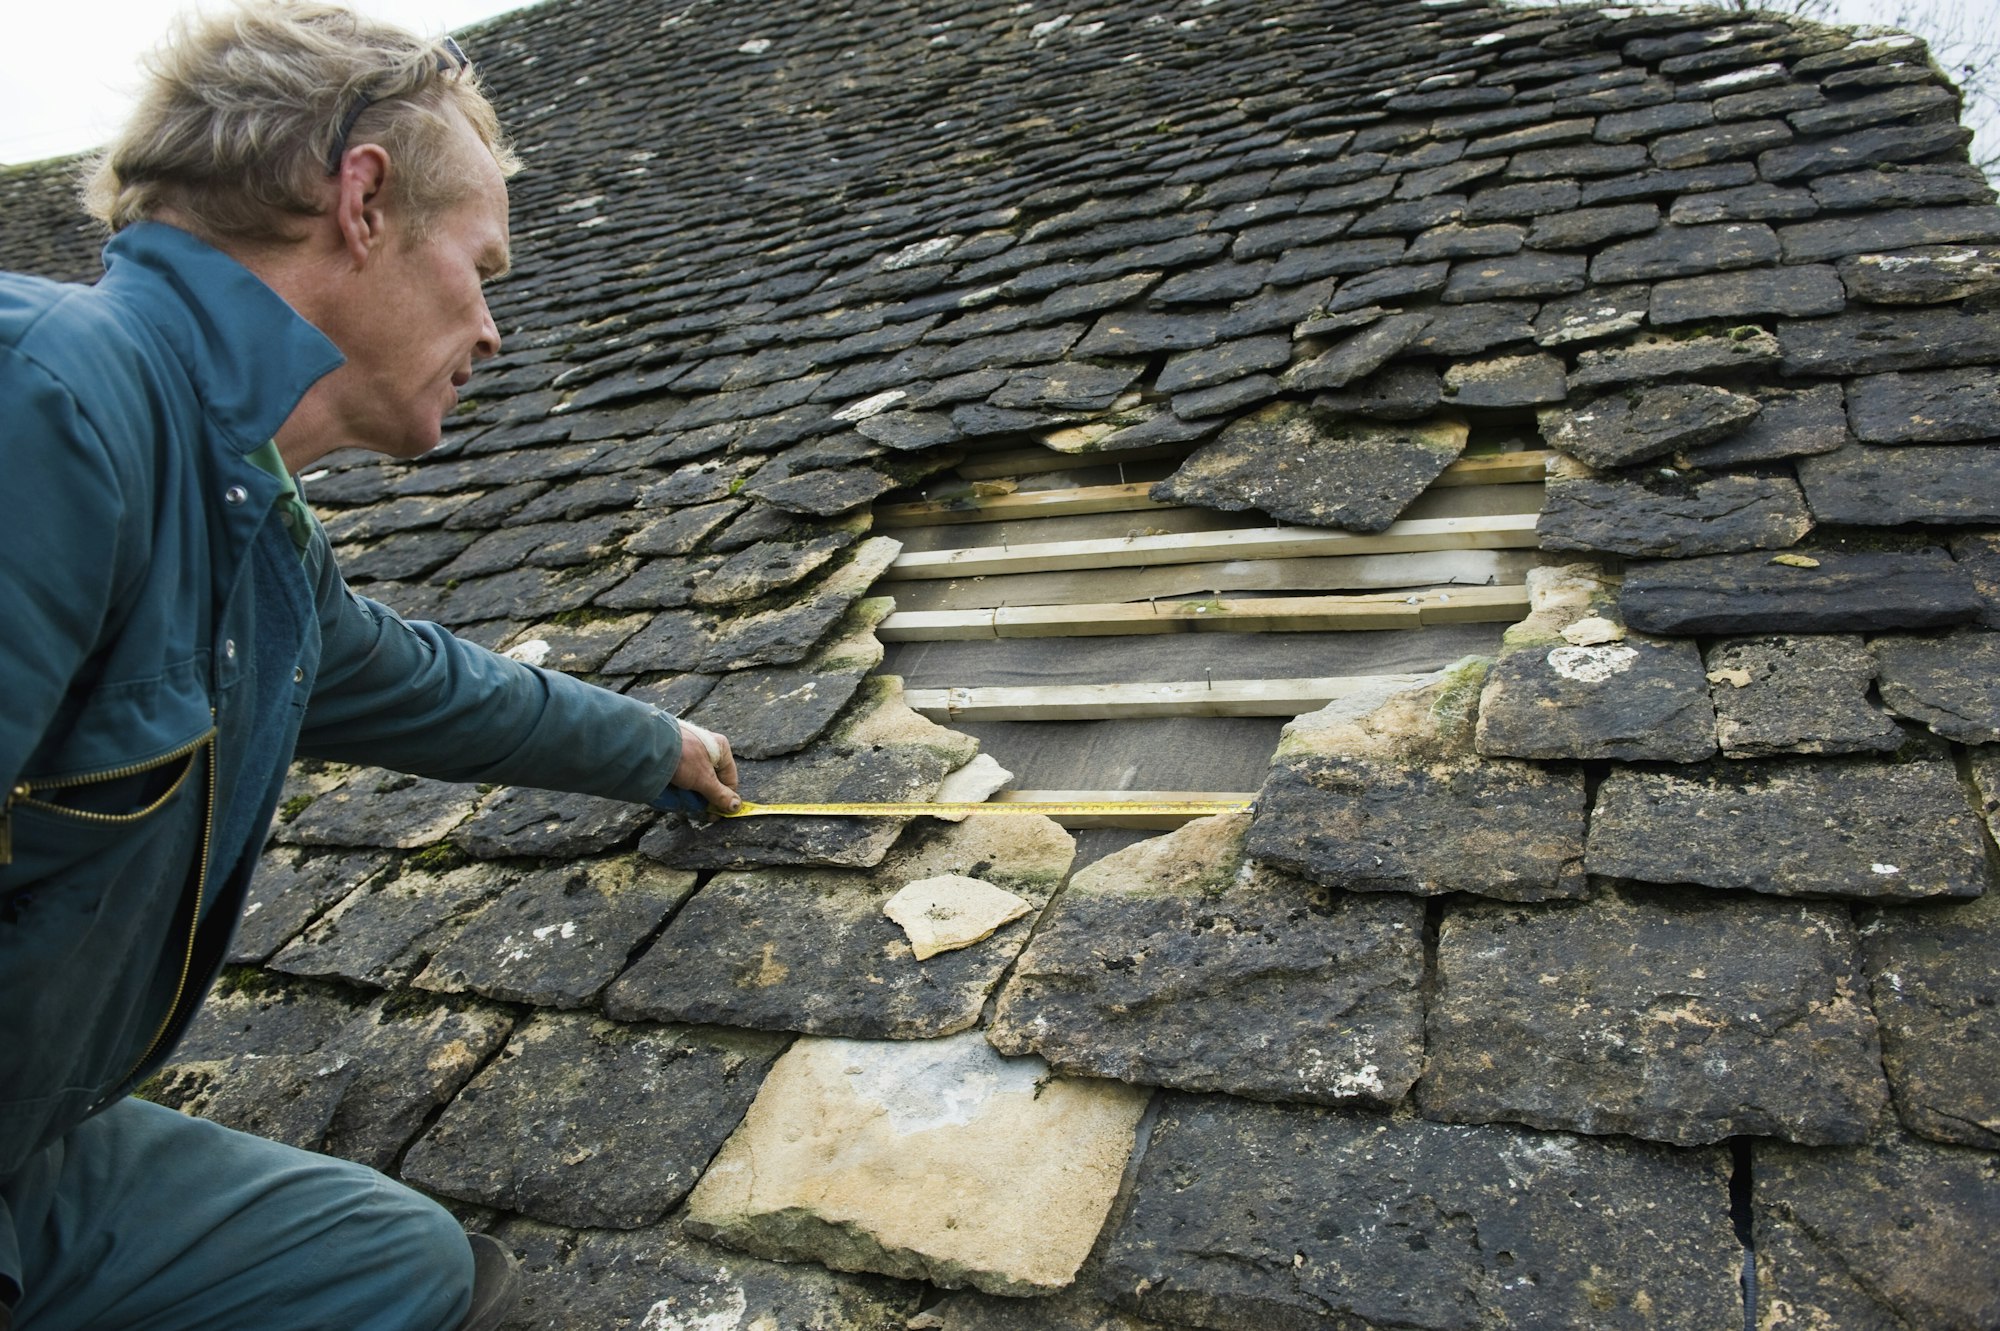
249,354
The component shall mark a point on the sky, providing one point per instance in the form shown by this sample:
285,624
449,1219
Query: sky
67,67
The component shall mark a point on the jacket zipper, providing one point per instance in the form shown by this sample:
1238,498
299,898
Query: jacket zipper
194,916
24,792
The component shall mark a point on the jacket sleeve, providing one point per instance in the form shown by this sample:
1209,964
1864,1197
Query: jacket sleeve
56,592
409,695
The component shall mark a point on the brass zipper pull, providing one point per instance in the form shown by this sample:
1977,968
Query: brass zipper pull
20,791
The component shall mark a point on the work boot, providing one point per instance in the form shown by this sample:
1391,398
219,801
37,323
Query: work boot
496,1284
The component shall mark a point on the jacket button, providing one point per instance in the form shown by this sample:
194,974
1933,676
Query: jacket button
298,674
235,494
229,648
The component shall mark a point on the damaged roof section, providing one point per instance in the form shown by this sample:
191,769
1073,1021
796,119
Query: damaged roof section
1532,989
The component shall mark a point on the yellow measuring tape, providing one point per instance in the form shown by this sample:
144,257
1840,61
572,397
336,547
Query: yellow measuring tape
1046,808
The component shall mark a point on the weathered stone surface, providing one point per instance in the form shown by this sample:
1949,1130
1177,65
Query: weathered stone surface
1978,554
909,431
1629,697
1505,277
1171,963
1599,312
382,933
1388,286
1853,827
1950,683
1871,340
813,951
657,584
1719,1017
1618,430
1935,969
574,649
1653,356
1890,143
587,1122
381,809
885,1157
769,713
1676,251
549,824
1587,228
1217,365
681,531
1359,355
1841,591
1894,229
1745,203
1384,793
1456,241
788,633
675,640
1870,486
1393,393
1294,463
1718,143
823,493
1799,291
1505,381
1925,406
1925,275
1660,512
657,1279
288,893
1894,1234
560,934
1078,1308
1250,1217
1797,693
1468,330
1794,421
303,1065
766,567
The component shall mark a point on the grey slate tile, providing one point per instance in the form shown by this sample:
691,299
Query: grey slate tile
1796,693
1729,1017
1245,1215
588,1122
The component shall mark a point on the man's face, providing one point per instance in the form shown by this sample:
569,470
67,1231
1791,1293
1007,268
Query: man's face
416,320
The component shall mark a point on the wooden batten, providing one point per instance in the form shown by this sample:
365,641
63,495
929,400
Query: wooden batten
1277,614
1504,531
1102,702
1114,818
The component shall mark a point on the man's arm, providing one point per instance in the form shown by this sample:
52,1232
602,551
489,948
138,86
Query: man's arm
411,696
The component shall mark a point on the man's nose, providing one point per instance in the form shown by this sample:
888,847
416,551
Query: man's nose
489,334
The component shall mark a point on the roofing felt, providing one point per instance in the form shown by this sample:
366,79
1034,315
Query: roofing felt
1639,971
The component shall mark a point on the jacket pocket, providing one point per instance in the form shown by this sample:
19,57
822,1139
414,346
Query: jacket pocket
103,802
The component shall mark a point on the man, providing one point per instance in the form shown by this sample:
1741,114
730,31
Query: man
306,204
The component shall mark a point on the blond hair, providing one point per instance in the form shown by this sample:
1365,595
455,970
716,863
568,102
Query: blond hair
243,109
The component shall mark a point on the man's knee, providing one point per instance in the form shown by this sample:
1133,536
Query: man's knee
404,1251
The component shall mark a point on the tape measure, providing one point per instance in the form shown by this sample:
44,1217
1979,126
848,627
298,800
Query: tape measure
1044,808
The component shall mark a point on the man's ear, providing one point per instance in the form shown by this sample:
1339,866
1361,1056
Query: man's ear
361,201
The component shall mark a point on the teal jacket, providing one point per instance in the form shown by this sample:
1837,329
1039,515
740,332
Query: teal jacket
167,644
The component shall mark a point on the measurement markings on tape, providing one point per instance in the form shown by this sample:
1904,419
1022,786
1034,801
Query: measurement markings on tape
1047,808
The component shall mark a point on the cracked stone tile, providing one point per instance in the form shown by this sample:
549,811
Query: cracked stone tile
1935,969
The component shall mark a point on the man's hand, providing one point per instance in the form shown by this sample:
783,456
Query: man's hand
707,767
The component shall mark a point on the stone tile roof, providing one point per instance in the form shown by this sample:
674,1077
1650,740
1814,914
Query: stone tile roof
1642,968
